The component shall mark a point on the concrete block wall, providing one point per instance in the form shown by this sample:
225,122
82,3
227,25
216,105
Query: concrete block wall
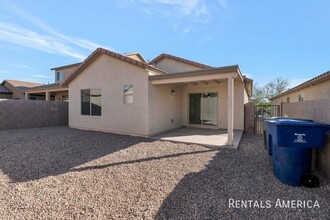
319,111
16,114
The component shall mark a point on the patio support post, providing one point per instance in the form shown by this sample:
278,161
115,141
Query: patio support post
47,96
26,96
230,116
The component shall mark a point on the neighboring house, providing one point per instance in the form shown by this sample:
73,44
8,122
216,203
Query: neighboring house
5,93
15,89
54,91
125,94
313,89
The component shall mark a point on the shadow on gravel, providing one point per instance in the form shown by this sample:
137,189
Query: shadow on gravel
243,174
137,161
30,154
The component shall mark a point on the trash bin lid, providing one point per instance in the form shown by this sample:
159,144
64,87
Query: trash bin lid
297,122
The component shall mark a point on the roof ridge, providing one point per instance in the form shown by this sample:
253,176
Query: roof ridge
21,81
164,55
98,52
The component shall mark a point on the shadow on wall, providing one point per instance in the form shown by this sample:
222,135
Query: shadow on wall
239,175
32,154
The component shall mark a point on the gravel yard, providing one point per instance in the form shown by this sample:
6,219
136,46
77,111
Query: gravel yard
65,173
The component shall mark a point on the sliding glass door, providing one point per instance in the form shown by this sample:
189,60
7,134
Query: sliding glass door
203,109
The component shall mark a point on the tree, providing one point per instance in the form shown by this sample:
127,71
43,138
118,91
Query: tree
262,94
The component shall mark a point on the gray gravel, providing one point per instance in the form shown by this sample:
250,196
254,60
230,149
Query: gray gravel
65,173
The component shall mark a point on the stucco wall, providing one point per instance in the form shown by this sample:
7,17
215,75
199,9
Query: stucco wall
165,109
5,96
173,66
222,90
318,91
66,71
111,75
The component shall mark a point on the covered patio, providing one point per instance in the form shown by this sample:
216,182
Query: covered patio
201,136
212,82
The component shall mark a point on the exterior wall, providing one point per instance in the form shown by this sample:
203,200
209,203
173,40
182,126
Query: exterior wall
5,96
111,75
318,91
66,71
222,90
165,109
173,66
16,114
16,94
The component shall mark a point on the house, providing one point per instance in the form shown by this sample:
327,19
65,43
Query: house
313,89
121,93
56,91
15,89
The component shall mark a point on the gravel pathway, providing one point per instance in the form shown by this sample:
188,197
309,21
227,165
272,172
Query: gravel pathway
63,173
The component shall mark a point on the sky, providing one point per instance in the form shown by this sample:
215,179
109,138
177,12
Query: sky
267,39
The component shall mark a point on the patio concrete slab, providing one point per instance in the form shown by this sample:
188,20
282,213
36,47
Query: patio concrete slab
202,136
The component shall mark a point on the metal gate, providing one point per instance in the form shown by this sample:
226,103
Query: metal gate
263,112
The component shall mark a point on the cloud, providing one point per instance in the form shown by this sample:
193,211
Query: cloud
4,72
51,41
24,37
79,42
184,12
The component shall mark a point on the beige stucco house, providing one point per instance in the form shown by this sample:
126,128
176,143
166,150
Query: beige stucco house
313,89
122,93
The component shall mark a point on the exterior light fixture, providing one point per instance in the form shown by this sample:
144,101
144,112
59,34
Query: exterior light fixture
172,92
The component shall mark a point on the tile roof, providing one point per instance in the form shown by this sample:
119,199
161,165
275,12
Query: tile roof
313,81
21,85
97,53
164,55
4,90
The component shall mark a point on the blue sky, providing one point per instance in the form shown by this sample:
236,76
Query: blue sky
267,39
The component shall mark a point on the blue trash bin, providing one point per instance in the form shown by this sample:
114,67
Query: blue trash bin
291,143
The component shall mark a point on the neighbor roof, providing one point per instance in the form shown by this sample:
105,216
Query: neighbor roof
66,66
4,90
318,79
136,54
118,56
164,55
48,86
21,85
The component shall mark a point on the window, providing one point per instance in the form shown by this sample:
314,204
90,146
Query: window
301,97
128,94
288,99
59,76
91,102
